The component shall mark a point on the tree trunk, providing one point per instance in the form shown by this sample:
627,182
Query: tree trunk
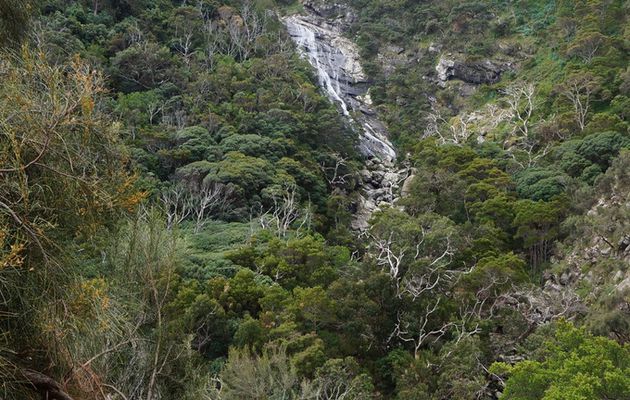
45,385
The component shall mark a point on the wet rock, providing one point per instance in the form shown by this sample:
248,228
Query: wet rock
406,187
510,359
391,57
337,63
342,15
395,49
391,177
319,36
367,111
378,176
564,278
548,276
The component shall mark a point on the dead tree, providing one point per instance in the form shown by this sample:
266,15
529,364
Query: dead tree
587,46
178,205
285,212
184,46
253,27
234,35
417,332
388,257
430,269
210,199
579,90
339,385
459,129
418,282
520,98
434,120
335,174
471,314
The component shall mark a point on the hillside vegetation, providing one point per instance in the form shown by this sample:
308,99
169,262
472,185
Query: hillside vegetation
176,199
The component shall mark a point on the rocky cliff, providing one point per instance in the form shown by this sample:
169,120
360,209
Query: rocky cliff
319,36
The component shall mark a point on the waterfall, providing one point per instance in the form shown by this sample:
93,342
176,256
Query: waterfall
336,61
327,61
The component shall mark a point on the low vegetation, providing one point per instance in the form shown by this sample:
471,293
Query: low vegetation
172,225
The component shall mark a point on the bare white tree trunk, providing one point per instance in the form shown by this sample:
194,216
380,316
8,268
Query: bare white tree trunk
211,198
334,174
286,213
580,89
521,100
417,333
178,205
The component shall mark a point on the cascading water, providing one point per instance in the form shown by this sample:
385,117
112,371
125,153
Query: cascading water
324,59
336,61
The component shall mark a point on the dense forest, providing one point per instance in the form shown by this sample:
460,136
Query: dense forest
177,197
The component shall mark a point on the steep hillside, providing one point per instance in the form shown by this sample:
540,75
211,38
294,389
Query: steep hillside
351,199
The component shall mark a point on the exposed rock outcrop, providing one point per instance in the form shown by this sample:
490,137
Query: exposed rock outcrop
599,257
477,72
339,15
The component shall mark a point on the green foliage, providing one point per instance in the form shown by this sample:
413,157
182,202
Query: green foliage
206,250
301,261
286,301
271,375
220,67
537,225
572,365
590,156
14,20
144,67
344,376
504,270
461,376
251,175
541,183
601,148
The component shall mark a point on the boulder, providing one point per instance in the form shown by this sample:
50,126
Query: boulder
406,188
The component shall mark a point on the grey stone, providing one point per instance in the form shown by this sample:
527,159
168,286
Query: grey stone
476,72
321,40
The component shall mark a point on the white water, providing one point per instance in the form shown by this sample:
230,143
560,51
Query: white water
322,57
340,75
336,61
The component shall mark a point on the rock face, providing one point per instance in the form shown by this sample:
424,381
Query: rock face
471,72
319,38
336,61
340,15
